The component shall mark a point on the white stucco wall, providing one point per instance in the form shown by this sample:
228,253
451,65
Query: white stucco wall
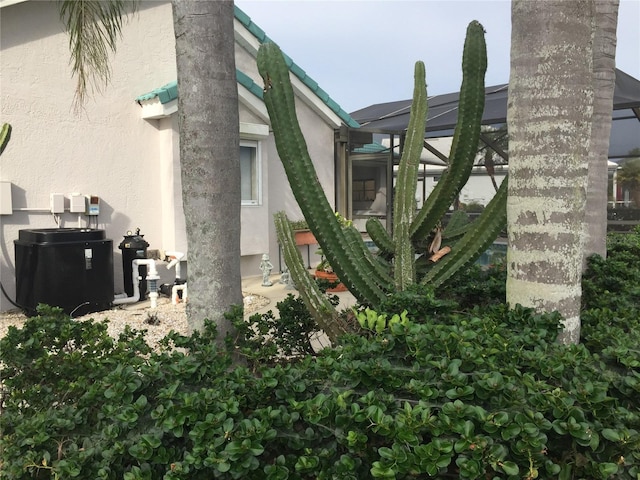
105,150
109,150
478,189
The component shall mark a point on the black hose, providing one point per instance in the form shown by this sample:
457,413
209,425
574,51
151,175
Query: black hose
79,306
7,297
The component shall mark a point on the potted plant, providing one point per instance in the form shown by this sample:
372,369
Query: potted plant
302,234
325,272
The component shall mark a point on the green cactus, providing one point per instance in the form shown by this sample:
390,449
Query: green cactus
292,149
477,238
466,135
318,304
370,279
5,136
406,183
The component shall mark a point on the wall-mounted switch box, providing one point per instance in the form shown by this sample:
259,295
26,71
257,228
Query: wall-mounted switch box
57,203
6,205
76,203
93,205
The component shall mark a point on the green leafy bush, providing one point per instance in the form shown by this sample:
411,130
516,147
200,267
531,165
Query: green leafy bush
442,392
267,339
614,282
486,393
477,286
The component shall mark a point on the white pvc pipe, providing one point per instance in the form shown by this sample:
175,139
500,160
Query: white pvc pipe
152,280
175,262
174,293
136,289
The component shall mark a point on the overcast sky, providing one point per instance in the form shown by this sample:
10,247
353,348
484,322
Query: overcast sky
362,52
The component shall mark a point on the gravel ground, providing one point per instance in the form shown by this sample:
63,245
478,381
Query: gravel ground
169,317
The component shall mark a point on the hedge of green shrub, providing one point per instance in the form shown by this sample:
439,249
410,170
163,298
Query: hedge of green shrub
441,392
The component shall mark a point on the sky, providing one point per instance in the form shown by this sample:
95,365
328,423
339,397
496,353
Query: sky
362,52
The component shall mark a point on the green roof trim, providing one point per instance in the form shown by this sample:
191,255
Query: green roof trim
165,94
249,84
169,92
262,37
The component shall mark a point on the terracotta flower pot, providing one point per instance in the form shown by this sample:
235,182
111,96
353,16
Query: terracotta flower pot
304,237
333,278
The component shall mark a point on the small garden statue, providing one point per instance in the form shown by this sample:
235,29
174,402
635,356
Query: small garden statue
266,266
286,279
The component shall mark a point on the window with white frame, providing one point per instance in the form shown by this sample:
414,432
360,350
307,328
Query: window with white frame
250,178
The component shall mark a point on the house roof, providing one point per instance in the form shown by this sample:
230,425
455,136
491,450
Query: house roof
169,92
393,117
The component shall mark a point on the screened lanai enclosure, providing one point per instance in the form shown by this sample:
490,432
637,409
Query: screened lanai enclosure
367,157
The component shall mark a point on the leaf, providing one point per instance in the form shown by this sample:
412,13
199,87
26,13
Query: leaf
611,435
510,432
141,401
607,469
386,452
378,470
152,440
510,468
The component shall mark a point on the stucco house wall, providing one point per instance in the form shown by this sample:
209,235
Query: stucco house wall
109,150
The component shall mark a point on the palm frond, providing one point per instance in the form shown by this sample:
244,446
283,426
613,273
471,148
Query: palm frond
94,27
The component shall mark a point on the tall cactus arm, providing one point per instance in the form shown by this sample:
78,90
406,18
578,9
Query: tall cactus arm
355,238
457,226
406,183
481,233
292,149
318,304
5,136
466,134
380,237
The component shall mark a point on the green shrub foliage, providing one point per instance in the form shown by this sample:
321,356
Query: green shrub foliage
269,339
450,393
446,385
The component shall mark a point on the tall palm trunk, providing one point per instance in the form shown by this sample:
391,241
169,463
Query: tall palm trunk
604,79
549,116
209,156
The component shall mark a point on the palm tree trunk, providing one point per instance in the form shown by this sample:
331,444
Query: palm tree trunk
604,79
209,156
549,119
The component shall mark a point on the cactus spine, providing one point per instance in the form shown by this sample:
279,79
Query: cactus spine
365,276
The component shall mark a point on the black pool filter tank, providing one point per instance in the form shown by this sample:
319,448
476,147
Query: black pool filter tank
134,247
70,268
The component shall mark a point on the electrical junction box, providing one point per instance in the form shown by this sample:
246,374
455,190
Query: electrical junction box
6,206
57,203
76,203
93,205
